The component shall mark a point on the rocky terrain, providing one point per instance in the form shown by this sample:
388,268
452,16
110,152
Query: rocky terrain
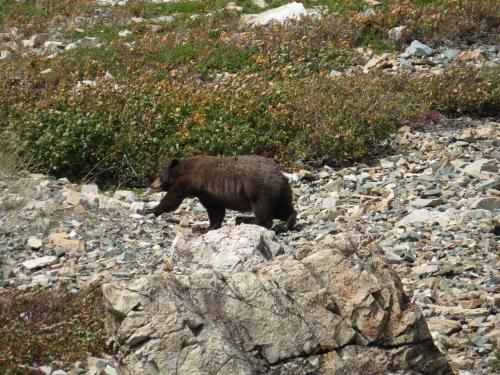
432,208
418,57
393,266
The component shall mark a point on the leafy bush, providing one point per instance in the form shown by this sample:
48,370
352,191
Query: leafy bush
45,326
111,133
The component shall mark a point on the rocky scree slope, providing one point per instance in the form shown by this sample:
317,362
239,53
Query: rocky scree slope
432,207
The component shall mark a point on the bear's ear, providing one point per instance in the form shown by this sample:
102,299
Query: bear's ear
174,162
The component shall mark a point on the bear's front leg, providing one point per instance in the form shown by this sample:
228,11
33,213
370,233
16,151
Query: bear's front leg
169,202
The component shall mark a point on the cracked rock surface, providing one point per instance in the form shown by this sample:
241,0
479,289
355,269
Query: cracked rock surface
336,311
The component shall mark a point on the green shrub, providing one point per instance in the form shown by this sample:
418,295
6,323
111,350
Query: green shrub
122,134
45,326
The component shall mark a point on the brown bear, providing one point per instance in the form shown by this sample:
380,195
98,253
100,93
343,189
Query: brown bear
241,183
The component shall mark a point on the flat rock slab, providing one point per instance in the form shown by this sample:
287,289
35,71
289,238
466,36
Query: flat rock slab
40,262
329,313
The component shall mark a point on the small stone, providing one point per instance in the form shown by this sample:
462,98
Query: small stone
489,203
474,55
36,40
450,53
418,49
61,239
156,29
124,257
425,269
34,243
231,6
306,175
124,33
4,54
125,195
89,189
136,206
109,370
42,280
396,33
420,203
47,370
482,165
424,216
444,326
40,262
471,304
59,372
4,37
328,203
335,73
74,198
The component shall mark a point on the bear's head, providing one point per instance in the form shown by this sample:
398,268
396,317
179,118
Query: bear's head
165,178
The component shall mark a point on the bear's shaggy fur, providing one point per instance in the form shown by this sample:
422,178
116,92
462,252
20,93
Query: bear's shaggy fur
241,183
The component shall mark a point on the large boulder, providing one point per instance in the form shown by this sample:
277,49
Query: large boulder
339,310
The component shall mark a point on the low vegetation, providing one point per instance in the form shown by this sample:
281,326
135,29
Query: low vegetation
205,85
49,326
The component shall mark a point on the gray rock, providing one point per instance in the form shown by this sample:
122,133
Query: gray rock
34,243
396,33
418,49
36,40
328,203
335,73
424,216
450,53
5,37
425,269
125,195
338,314
482,165
89,189
47,370
421,203
489,203
74,198
40,262
5,54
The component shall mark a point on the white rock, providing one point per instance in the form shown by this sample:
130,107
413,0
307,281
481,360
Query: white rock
328,203
425,268
124,33
125,195
40,262
42,280
290,11
424,216
74,197
4,54
90,189
47,370
396,33
137,206
34,243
